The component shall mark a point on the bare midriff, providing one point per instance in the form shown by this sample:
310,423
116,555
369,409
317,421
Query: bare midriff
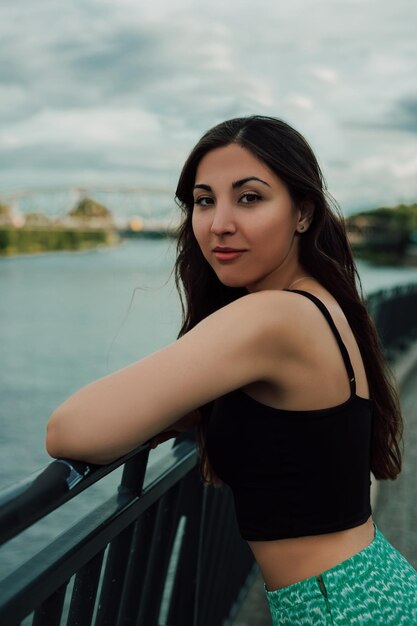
286,561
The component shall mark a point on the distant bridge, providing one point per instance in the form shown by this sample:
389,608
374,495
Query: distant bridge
146,201
18,193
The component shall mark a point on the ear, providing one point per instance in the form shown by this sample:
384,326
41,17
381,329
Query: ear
306,213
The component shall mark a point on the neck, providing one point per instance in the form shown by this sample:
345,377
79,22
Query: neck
297,281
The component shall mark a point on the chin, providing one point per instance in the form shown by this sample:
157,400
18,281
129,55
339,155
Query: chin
233,282
229,281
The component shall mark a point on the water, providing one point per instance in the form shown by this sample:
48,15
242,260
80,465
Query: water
68,318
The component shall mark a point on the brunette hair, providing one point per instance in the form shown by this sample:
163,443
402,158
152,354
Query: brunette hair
324,252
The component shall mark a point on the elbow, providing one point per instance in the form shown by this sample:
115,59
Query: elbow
61,436
52,442
66,439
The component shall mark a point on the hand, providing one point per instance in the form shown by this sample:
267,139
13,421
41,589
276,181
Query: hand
164,436
175,429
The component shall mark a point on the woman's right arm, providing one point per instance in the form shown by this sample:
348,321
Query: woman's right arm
180,426
234,346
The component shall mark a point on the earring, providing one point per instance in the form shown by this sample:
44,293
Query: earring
301,228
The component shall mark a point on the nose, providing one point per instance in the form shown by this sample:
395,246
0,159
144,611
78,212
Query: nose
223,222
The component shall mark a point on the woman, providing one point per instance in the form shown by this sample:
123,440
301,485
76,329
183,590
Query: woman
278,351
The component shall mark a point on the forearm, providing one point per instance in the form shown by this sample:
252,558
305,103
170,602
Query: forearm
113,415
110,416
186,422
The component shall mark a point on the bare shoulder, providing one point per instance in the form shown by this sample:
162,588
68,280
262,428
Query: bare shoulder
269,309
291,323
274,312
269,326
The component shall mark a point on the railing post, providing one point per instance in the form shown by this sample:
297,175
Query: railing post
49,613
84,592
163,536
136,567
113,579
134,473
120,548
181,612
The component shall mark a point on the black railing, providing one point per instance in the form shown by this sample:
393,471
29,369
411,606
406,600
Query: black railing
165,553
164,550
395,314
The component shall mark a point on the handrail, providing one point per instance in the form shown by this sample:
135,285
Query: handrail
24,503
94,531
142,526
394,312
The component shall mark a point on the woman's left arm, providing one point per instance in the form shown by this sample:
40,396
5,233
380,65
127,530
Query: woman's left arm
111,416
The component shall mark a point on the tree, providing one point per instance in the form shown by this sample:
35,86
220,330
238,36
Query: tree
89,208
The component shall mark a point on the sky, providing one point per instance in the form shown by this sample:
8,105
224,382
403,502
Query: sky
113,94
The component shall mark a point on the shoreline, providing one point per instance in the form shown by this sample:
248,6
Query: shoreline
42,253
381,259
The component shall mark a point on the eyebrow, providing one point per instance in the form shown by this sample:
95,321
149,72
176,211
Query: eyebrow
235,185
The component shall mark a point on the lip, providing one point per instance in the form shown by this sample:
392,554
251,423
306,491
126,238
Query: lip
227,254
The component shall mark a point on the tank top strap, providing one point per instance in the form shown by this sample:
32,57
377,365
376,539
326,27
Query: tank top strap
343,350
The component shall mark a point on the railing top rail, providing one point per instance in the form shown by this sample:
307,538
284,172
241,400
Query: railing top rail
47,570
387,293
26,502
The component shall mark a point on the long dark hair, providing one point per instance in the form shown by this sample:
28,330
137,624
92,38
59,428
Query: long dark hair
324,252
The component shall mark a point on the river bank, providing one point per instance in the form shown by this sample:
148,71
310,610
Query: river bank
32,240
408,258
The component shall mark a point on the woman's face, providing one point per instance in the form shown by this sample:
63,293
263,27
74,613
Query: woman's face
244,220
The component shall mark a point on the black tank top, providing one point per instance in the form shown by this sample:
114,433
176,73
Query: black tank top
294,473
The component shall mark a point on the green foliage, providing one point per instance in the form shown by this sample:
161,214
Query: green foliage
37,219
89,208
402,217
30,240
379,258
5,210
408,214
383,235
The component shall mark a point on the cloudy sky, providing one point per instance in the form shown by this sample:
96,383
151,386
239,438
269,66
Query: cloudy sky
116,92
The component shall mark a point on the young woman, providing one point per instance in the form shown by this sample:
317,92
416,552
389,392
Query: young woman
279,353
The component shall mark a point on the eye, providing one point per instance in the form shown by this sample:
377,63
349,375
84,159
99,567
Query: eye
250,198
203,201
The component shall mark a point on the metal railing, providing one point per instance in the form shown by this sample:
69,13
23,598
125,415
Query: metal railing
168,553
394,311
163,550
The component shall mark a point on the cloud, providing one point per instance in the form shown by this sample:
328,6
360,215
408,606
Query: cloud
98,127
325,74
400,116
301,101
404,115
406,170
127,88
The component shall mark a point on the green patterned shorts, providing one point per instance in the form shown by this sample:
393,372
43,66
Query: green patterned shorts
377,586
